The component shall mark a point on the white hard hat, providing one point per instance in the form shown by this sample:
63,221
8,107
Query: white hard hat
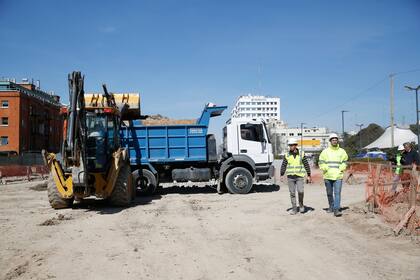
332,135
292,141
401,148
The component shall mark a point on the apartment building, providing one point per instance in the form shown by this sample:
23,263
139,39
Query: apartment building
29,118
257,106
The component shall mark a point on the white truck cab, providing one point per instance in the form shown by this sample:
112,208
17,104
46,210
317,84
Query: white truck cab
248,137
246,145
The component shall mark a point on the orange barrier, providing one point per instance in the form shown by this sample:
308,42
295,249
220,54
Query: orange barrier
23,171
400,207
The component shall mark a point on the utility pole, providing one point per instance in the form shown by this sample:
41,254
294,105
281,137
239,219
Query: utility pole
301,136
342,121
360,135
391,76
417,114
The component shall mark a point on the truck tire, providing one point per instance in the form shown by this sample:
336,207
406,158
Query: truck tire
239,180
122,194
54,197
145,181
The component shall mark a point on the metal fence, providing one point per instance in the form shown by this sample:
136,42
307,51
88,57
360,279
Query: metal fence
26,159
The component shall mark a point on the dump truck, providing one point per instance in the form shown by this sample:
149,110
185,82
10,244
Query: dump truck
186,152
92,161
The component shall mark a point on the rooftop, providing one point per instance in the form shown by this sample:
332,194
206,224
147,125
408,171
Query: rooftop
32,91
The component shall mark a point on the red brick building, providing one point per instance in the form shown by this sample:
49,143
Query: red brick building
29,118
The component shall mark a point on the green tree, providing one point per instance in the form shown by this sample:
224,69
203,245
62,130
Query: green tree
368,134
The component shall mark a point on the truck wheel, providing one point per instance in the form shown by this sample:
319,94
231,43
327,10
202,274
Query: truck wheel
122,194
145,181
54,197
239,180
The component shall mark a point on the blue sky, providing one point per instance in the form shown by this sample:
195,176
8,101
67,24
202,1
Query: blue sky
319,57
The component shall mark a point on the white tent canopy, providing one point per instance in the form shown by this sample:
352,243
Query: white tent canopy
401,135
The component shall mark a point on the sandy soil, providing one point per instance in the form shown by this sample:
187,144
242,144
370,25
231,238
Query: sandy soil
194,233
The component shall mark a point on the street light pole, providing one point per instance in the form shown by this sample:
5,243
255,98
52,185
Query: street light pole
360,135
391,76
417,114
301,136
342,121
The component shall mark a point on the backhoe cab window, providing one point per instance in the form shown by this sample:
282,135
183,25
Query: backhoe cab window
252,132
96,125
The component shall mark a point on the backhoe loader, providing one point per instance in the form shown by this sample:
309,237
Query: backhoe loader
92,161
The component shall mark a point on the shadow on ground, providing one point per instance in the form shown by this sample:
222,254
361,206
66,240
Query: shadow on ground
263,188
102,206
341,208
187,190
306,210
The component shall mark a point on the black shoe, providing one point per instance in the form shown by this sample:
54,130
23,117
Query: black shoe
337,213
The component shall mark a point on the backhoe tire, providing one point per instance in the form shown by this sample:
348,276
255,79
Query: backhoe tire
239,180
54,197
122,195
145,181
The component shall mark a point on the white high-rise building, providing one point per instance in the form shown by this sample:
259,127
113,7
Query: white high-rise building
257,106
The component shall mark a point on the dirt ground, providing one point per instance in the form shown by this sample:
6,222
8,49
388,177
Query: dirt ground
194,233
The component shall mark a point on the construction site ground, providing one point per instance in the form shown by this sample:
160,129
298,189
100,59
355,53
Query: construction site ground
194,233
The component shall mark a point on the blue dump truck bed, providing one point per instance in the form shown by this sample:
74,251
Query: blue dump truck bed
161,144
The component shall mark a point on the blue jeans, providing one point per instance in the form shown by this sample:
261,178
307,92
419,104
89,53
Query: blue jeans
333,188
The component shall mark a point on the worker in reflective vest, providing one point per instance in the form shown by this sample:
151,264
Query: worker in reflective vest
296,167
333,163
398,169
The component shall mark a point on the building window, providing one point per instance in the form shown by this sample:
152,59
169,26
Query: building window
4,140
299,134
5,104
291,134
283,134
5,121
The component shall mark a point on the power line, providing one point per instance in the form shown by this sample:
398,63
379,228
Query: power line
354,97
366,90
406,72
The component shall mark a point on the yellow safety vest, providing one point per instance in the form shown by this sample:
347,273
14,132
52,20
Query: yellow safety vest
295,165
333,162
399,169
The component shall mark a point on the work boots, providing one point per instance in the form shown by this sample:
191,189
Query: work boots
330,203
293,211
337,213
301,206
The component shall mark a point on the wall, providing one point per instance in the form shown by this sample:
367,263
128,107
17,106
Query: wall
12,130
